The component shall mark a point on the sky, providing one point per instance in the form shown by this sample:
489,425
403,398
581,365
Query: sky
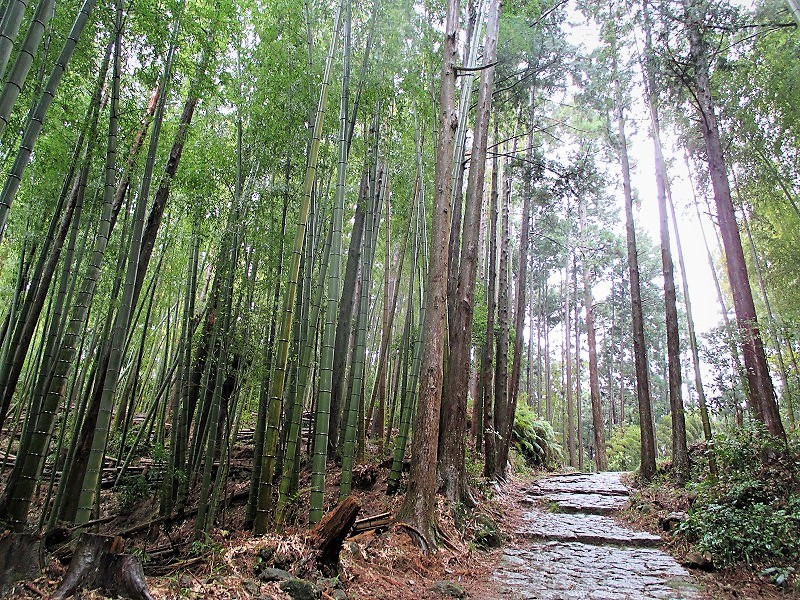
705,306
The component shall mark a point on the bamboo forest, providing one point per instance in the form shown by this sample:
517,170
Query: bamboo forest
400,299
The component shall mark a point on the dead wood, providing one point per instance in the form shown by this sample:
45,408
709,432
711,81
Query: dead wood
329,535
177,566
374,522
98,562
20,558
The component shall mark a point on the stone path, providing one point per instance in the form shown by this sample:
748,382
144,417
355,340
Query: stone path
573,549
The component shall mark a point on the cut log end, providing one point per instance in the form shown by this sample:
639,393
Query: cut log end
329,535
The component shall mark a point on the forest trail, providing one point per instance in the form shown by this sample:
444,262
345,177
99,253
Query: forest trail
570,547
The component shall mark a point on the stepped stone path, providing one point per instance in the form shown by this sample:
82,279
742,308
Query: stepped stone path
573,549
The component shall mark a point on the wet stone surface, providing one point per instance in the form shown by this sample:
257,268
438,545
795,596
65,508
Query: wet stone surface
589,529
582,483
575,553
589,504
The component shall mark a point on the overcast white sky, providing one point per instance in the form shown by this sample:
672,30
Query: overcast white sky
705,307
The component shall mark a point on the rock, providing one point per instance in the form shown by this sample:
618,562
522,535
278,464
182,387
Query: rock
576,553
267,552
697,560
487,533
270,574
588,529
264,558
300,589
283,559
448,588
339,594
672,520
251,587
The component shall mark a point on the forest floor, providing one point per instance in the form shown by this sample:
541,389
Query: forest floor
528,556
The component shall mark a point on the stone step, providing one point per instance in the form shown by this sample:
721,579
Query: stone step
589,504
607,484
558,571
588,529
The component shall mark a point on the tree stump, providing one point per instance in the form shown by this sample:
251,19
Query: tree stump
98,562
329,535
20,558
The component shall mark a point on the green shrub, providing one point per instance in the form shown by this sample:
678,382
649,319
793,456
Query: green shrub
751,511
131,491
535,440
624,446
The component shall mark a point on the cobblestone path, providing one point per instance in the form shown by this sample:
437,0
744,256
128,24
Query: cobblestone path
573,549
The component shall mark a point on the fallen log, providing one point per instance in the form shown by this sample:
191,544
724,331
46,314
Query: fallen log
373,522
329,535
98,563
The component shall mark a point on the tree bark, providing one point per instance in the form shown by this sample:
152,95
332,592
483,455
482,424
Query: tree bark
487,362
522,286
452,471
501,365
760,391
647,470
598,431
419,502
680,452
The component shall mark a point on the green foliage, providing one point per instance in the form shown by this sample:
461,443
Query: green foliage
625,444
131,491
623,449
535,440
751,512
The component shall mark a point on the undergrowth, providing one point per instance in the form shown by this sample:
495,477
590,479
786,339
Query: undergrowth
535,440
750,512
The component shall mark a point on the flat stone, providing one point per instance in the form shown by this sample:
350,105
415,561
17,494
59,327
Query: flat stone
577,552
589,529
567,570
607,483
590,504
448,588
300,589
270,574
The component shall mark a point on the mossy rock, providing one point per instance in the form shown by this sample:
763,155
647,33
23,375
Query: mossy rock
487,533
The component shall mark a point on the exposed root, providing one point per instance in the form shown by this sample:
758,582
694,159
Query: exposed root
417,536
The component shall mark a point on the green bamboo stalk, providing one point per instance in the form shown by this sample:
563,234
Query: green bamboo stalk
409,386
12,19
22,65
36,120
322,421
303,389
282,353
122,320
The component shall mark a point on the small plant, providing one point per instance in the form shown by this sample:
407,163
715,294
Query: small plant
131,491
207,546
142,554
535,439
778,575
751,512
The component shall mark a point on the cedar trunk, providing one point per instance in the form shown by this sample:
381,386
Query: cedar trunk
760,391
454,415
419,503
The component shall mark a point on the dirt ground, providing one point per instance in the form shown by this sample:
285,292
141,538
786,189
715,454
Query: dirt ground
383,563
